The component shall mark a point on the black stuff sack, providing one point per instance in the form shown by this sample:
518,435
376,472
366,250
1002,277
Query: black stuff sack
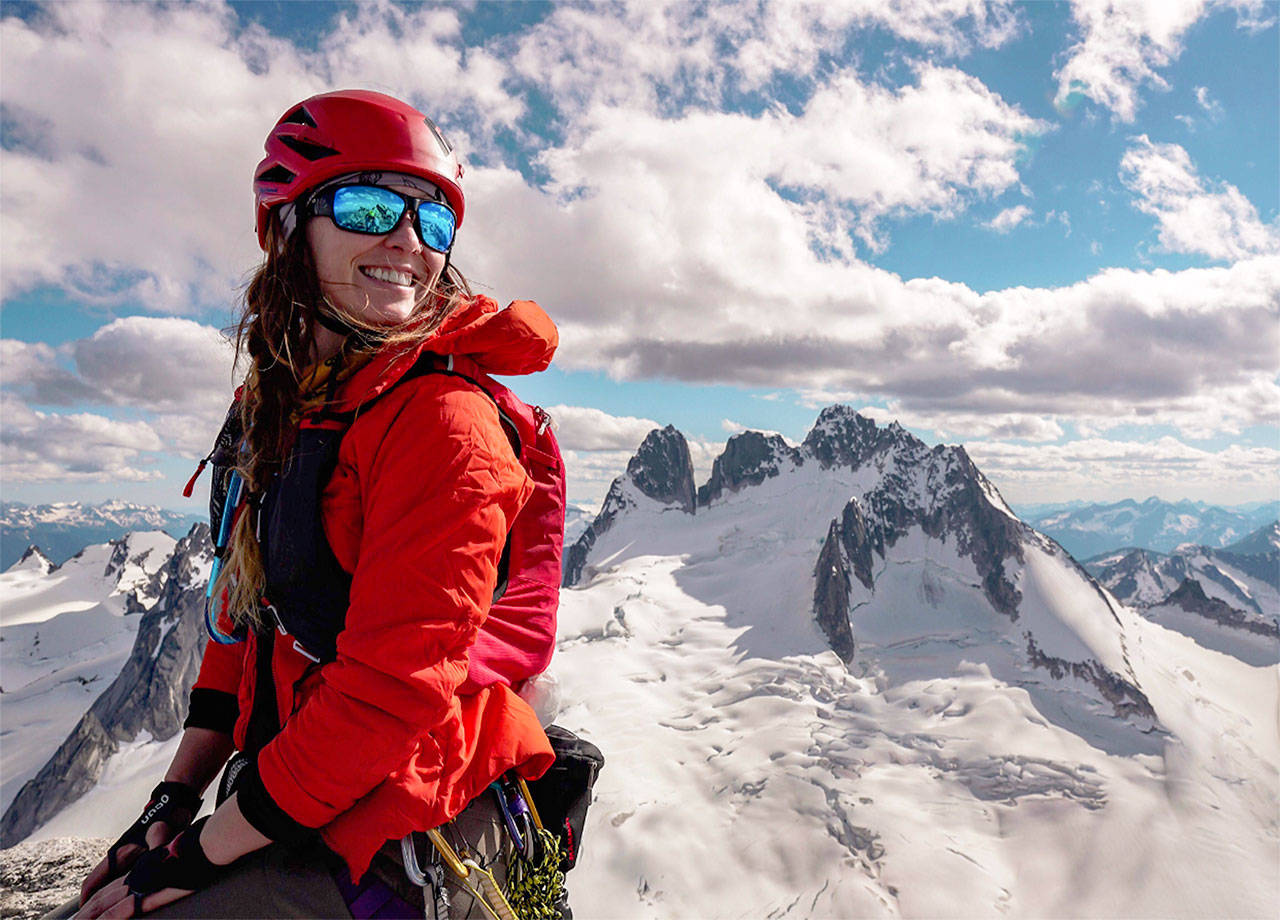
563,793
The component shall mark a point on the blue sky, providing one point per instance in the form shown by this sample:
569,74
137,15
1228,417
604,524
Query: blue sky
1046,230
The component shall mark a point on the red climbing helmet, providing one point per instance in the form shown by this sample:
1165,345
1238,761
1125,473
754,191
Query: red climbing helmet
348,131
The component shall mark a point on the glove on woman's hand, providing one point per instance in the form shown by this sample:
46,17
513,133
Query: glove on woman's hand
160,876
182,864
171,808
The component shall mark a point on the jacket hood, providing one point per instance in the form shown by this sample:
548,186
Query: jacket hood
520,339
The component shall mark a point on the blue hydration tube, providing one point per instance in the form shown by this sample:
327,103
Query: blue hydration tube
234,487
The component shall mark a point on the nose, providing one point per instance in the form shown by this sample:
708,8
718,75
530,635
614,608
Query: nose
403,235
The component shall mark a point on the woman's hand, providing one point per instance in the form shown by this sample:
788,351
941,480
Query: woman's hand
115,900
169,811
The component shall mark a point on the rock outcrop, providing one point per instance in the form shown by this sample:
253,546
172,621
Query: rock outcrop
37,877
149,695
1190,597
33,560
660,471
748,459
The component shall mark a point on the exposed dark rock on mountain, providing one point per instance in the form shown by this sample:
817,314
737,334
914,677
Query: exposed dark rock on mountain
748,459
34,559
1127,699
842,437
1190,597
937,489
149,694
661,470
846,554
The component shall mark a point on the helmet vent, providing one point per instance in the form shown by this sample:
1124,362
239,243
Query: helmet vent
277,174
307,149
299,116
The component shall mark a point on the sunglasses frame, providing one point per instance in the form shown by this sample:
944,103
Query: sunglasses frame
320,204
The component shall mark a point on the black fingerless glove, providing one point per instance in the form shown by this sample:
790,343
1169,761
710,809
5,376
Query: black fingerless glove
173,803
182,864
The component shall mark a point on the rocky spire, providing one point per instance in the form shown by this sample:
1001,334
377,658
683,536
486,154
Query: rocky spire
661,470
33,560
842,437
748,459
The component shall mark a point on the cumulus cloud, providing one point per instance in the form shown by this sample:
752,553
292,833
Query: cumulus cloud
74,447
585,429
161,363
1009,218
1193,215
1165,466
32,370
1123,46
664,56
176,369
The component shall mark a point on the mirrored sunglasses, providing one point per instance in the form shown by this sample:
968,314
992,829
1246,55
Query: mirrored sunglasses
376,210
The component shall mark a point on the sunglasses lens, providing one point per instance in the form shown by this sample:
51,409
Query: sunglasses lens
437,223
367,208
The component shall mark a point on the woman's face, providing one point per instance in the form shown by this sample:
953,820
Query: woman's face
378,279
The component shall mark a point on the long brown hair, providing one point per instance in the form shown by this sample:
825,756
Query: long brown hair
276,335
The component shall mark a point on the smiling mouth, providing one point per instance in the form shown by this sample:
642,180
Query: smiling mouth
389,275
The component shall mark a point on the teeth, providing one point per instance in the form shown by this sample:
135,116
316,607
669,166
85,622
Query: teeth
388,274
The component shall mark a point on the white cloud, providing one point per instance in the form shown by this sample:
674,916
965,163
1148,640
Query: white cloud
1206,101
582,428
1115,469
79,447
175,368
1009,218
663,56
161,363
1193,215
32,369
1124,44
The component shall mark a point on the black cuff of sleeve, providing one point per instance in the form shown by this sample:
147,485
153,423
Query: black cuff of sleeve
266,817
212,709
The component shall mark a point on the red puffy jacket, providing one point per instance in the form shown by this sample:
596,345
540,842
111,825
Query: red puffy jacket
378,743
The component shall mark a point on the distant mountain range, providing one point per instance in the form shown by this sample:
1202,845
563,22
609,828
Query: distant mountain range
1227,599
63,529
1087,530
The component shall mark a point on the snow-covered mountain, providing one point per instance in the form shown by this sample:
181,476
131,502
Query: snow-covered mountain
1093,529
64,528
1226,598
98,656
847,681
844,679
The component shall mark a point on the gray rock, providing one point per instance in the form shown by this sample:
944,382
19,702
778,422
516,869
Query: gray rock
748,459
37,877
660,470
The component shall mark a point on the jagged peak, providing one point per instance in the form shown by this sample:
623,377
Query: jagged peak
842,436
34,559
662,469
748,458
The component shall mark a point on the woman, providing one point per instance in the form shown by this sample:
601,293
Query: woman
368,739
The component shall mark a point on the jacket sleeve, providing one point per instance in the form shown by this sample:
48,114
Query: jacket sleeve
214,701
438,492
